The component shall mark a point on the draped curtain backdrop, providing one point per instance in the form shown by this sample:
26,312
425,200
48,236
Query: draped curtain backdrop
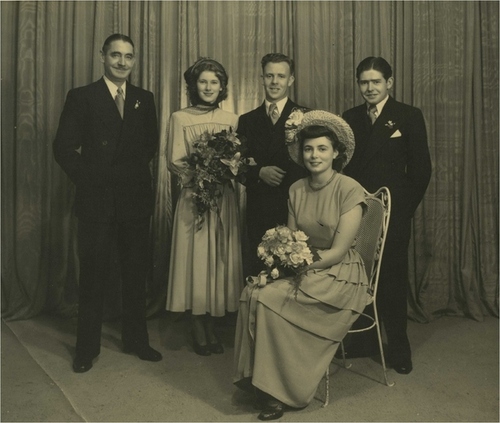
445,61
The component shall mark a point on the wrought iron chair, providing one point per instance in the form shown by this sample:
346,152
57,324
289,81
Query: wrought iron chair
370,242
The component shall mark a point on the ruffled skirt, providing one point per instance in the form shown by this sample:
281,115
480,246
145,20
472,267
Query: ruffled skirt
284,344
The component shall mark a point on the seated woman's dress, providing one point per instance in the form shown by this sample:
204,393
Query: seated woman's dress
284,344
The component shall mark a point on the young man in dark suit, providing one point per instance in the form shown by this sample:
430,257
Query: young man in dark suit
268,183
106,138
392,151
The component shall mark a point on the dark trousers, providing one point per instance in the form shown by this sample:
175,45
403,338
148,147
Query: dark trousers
96,241
392,296
263,212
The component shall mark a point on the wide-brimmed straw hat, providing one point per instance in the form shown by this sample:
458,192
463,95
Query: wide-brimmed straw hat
302,118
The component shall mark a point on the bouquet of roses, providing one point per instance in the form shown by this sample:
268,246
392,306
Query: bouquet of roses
217,160
281,249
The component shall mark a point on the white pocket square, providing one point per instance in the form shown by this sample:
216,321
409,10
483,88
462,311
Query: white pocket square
396,134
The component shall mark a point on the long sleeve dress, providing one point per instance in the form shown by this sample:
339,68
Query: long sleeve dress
205,274
285,344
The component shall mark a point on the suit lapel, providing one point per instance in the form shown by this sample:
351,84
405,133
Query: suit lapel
286,112
278,142
131,103
129,113
264,124
106,110
385,125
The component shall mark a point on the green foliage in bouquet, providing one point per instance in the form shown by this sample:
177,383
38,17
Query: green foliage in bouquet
217,160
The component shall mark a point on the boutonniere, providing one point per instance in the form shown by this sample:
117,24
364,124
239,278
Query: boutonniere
137,104
390,124
292,124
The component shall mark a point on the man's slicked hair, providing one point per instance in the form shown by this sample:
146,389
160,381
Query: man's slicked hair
376,63
116,37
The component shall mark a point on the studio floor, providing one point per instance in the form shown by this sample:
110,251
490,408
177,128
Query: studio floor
455,378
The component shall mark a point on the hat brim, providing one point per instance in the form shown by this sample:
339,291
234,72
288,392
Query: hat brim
321,118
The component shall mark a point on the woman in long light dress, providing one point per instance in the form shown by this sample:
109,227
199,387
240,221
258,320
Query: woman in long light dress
284,344
205,274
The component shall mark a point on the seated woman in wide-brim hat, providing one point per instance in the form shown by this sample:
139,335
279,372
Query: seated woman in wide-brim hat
286,337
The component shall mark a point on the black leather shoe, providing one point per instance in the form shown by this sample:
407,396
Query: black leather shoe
403,368
82,365
144,352
273,410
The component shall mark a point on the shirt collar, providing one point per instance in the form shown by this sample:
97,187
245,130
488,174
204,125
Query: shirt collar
380,105
112,87
279,104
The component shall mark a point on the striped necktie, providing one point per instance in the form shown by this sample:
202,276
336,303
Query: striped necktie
373,113
120,102
274,114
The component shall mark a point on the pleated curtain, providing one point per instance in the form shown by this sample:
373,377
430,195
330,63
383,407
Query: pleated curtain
445,61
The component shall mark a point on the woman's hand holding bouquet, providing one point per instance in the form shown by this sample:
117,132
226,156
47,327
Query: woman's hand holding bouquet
217,160
284,249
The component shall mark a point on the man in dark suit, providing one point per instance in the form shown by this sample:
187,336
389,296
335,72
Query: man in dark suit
106,138
268,183
392,151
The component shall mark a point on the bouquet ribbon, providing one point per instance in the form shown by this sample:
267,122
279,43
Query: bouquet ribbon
254,283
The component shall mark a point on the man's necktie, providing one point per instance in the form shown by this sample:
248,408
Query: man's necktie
373,113
273,113
120,102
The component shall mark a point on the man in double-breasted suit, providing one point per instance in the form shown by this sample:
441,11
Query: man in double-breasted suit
106,138
392,151
268,183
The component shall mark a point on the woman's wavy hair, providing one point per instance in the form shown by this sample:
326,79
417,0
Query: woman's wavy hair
193,72
318,131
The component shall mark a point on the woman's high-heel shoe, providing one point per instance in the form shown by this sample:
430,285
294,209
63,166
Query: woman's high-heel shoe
273,409
216,348
200,349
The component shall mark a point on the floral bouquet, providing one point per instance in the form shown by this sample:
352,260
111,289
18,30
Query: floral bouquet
281,249
217,160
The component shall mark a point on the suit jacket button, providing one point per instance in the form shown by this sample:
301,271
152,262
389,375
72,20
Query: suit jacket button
104,142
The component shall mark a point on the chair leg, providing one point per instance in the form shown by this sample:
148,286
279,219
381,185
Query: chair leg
381,348
344,363
347,366
327,387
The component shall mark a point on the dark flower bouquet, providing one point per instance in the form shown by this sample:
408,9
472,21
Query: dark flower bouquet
217,160
282,249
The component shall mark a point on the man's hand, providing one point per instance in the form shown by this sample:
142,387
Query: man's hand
272,175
